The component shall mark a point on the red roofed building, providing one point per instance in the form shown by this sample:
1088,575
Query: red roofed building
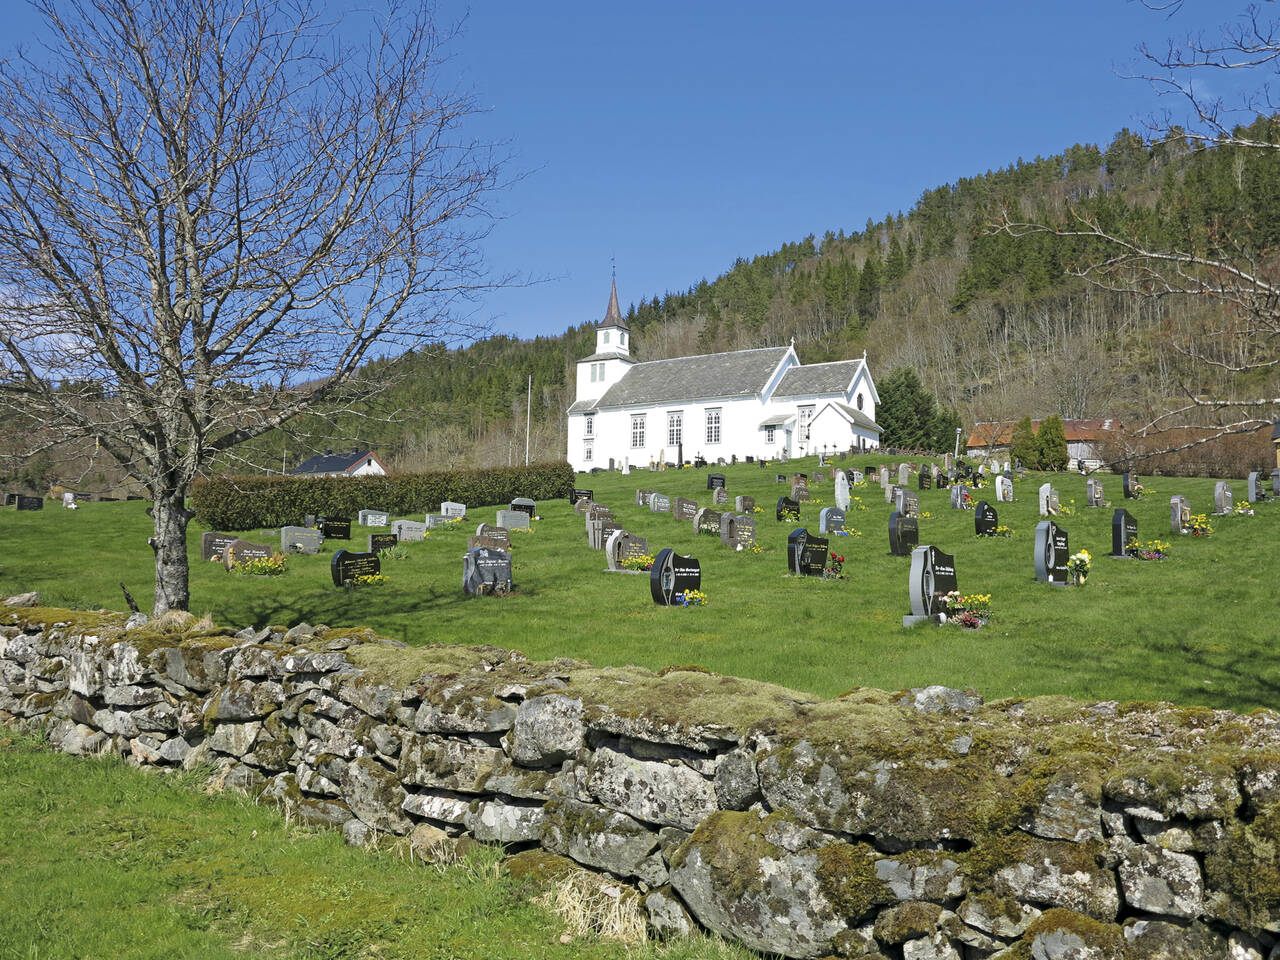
1084,438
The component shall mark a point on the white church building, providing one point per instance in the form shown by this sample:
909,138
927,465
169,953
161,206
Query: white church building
748,403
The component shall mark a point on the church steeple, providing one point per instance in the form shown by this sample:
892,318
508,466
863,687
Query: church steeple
613,316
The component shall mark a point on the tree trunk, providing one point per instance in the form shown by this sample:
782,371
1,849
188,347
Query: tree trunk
173,591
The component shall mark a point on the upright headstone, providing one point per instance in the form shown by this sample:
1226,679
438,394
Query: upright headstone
29,503
889,492
1093,492
737,532
300,540
382,541
842,490
336,528
1275,482
744,504
1124,530
831,520
904,534
238,551
372,518
806,554
856,477
904,474
498,535
1254,488
799,487
720,497
683,509
1130,483
707,522
715,481
906,502
932,577
924,480
985,520
672,576
1222,499
486,571
580,507
10,499
454,510
1004,490
524,505
787,506
436,520
1052,553
513,519
69,500
214,545
884,477
779,478
1179,514
621,546
660,503
642,496
959,496
1048,499
345,566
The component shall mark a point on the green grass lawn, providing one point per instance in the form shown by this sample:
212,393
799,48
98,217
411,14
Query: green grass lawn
101,861
1197,628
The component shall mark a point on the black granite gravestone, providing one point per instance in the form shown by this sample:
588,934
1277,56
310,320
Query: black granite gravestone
985,520
345,566
1129,483
1052,553
214,545
335,528
30,503
382,541
525,506
486,571
787,506
580,495
932,577
1124,530
904,534
715,480
672,575
806,554
924,481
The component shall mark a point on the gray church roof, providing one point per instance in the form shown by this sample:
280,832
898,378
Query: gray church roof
582,406
859,418
742,373
613,316
817,379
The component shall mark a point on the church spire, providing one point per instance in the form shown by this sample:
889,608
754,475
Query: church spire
613,316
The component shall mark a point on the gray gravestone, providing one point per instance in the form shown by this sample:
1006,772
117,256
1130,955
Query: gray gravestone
707,521
744,504
214,545
958,494
842,490
513,519
931,578
409,531
1093,492
1222,498
451,509
1179,514
499,535
642,497
906,502
660,503
904,474
372,518
720,497
683,508
1004,490
300,540
830,520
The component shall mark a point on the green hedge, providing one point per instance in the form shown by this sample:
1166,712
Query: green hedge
243,503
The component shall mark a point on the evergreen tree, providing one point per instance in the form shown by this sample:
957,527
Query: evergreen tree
907,413
1023,446
943,429
1051,444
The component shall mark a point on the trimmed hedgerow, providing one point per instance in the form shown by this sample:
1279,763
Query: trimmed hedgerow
242,503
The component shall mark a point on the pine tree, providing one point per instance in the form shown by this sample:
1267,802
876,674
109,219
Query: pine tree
906,412
1023,446
1051,442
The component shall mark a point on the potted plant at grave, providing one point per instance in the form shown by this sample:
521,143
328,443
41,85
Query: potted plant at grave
1078,565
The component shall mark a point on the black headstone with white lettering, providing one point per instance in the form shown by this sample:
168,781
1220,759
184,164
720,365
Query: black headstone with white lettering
904,534
213,545
30,503
672,576
578,495
1052,553
345,566
525,505
924,480
335,528
787,505
806,554
985,520
486,571
932,577
1124,530
382,541
715,480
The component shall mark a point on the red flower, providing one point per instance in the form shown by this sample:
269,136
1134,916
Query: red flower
839,559
833,556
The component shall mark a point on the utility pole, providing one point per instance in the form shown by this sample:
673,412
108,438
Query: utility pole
528,418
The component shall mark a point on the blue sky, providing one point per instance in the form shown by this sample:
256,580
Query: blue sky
677,136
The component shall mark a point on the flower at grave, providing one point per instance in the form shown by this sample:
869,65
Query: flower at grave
691,598
1148,550
757,549
1003,531
642,562
272,566
370,580
1078,565
757,509
816,502
971,611
1244,508
834,567
1067,509
1199,525
925,515
790,516
522,529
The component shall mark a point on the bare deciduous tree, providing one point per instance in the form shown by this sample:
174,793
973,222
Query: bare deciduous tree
211,214
1231,353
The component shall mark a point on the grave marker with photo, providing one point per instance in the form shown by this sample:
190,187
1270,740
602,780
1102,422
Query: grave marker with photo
1052,551
672,576
1179,514
931,578
213,545
831,520
806,554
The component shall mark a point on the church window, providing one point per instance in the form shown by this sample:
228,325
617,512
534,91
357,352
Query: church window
859,401
805,418
637,430
770,433
622,339
606,336
713,425
589,427
586,452
675,427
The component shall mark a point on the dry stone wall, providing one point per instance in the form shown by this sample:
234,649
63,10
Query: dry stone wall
922,825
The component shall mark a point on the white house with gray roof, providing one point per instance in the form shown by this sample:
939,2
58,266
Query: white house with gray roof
760,403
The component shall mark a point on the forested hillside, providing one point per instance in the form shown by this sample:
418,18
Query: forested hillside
995,325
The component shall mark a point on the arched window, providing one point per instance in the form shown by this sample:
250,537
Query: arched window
859,401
